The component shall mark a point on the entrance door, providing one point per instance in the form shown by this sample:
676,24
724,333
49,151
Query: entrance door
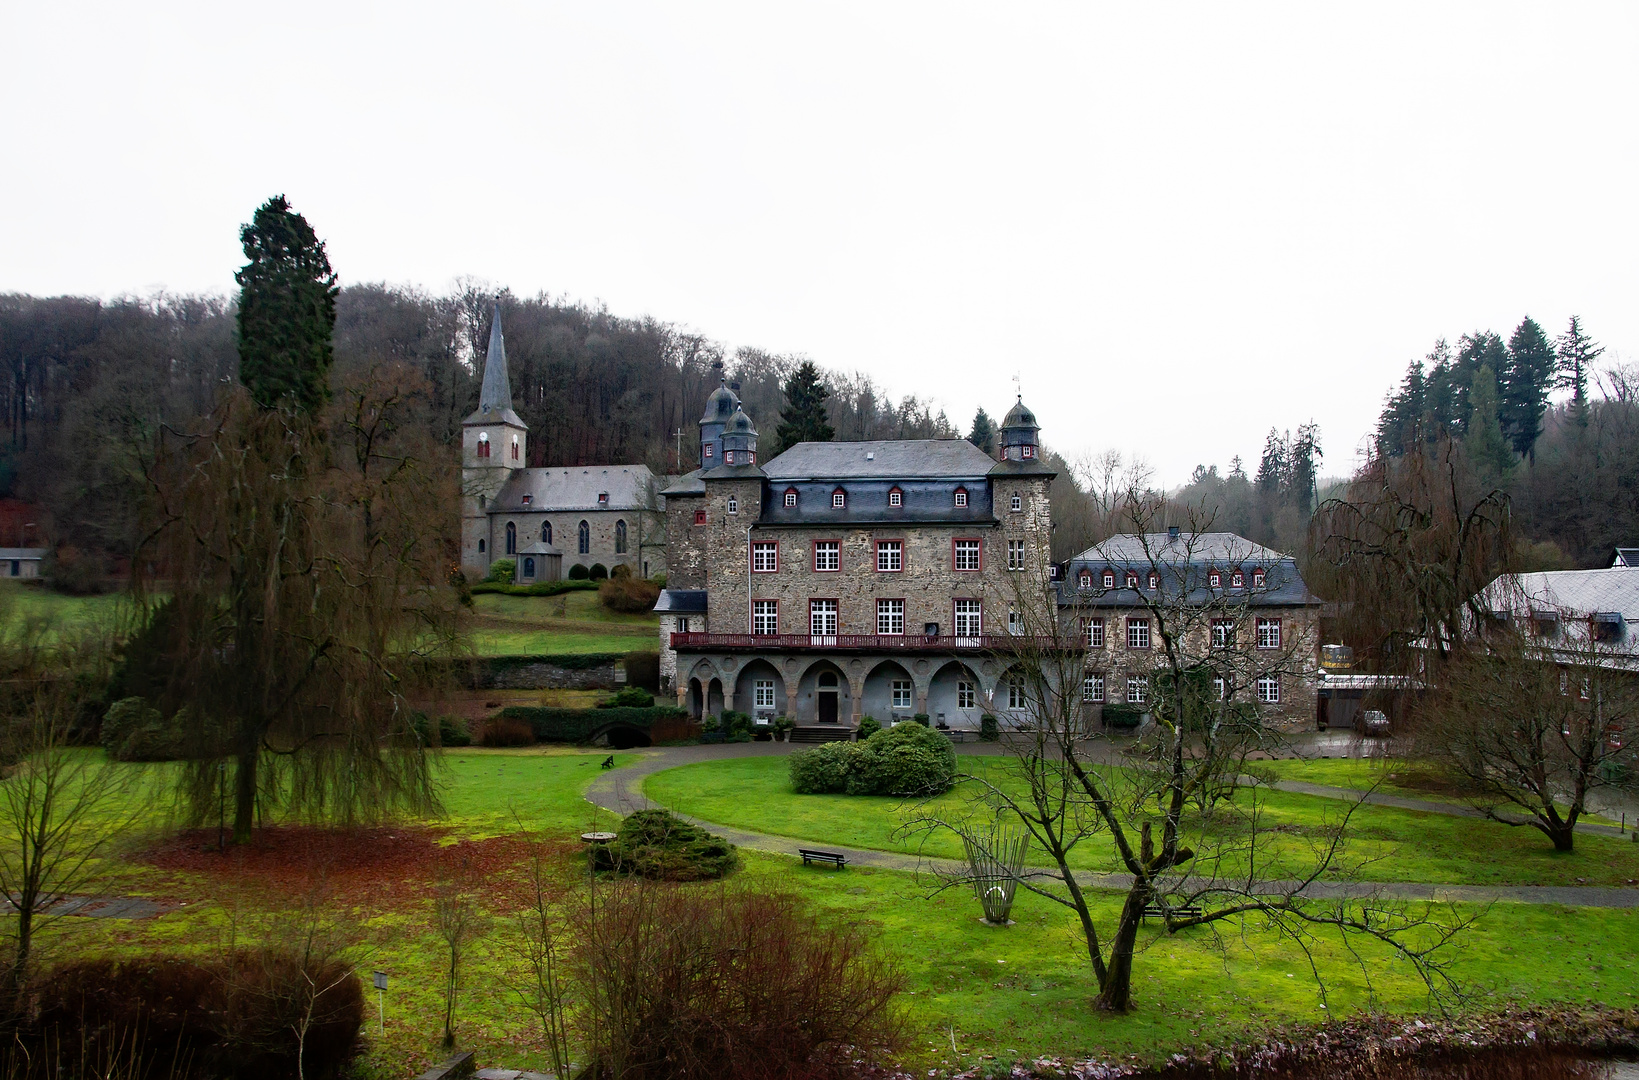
827,700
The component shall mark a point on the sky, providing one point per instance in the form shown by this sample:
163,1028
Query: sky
1176,225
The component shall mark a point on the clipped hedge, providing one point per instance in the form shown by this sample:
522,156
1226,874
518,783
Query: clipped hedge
1122,716
540,588
660,845
577,725
905,760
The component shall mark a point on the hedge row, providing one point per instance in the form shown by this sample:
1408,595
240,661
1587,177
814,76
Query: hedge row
576,725
540,588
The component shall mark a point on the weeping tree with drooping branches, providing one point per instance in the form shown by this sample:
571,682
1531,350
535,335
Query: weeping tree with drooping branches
304,539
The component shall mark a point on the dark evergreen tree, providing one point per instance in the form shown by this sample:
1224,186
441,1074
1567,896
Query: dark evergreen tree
1484,443
1402,414
287,309
1272,466
983,434
1474,351
1524,385
1576,354
1440,394
804,418
1303,460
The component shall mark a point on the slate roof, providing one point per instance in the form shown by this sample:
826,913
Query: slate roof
540,547
1609,595
1183,563
681,601
687,484
893,459
23,553
495,394
1626,556
575,488
733,472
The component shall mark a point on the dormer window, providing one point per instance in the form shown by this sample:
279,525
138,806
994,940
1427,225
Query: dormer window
708,449
1109,579
896,498
1215,580
961,497
1027,450
603,499
1132,579
1155,580
1086,580
839,499
790,496
1237,581
1257,579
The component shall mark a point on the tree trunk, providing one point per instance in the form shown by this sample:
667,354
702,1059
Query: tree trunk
1562,834
244,796
1115,993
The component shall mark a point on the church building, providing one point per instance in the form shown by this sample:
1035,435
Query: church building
548,520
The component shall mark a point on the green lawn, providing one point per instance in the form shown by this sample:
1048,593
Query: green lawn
1014,992
1404,845
573,622
57,616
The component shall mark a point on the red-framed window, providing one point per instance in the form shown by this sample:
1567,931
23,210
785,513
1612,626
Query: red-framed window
1086,580
890,617
1094,629
839,499
765,556
967,554
1155,581
1214,580
1092,688
1237,580
890,556
1138,633
1268,633
1223,633
1269,689
1015,554
1132,579
699,517
515,448
765,617
961,497
896,498
483,444
790,496
1257,579
708,450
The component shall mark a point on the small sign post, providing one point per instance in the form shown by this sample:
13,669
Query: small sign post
381,996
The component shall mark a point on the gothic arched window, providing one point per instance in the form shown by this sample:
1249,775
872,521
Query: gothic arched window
585,538
511,538
620,538
515,448
529,566
546,532
483,444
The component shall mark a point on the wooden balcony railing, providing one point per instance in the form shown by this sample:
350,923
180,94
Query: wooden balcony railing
942,643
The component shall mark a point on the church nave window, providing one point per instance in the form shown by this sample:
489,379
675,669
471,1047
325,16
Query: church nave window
620,538
546,532
511,538
585,538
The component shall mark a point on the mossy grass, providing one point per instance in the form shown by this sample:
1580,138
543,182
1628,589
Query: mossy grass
1404,845
572,622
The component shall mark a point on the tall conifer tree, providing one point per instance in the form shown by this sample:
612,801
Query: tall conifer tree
1577,352
287,309
983,434
1486,447
1524,386
804,418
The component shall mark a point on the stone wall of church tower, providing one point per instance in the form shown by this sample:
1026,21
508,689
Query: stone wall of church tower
481,478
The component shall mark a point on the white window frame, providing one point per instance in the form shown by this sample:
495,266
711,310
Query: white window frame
967,695
762,694
896,498
822,618
1109,579
972,548
890,556
765,556
733,505
1092,688
890,618
1268,633
1015,554
1258,578
765,618
961,498
1016,504
1223,633
1015,693
903,694
1138,633
833,548
839,500
1015,623
1138,689
1095,632
1269,689
791,498
682,624
971,613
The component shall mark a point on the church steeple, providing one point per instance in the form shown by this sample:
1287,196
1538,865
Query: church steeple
496,393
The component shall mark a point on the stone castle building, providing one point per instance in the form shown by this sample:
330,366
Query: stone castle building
888,579
848,579
547,519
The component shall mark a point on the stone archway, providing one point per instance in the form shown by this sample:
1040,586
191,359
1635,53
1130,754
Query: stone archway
889,693
759,690
957,694
824,695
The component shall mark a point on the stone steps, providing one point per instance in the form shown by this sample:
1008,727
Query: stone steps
822,734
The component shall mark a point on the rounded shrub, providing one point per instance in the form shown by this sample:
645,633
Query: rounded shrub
630,697
503,571
660,845
905,760
578,573
598,571
868,726
989,730
822,770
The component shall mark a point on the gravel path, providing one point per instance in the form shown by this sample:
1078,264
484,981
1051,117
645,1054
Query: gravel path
621,790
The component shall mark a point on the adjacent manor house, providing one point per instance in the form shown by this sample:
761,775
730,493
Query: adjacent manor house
552,519
847,579
888,579
1240,609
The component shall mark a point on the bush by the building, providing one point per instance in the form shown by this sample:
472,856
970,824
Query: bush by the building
577,725
628,595
598,572
578,573
502,571
630,697
505,731
905,760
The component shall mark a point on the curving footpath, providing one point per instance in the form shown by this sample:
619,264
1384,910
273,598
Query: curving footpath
621,791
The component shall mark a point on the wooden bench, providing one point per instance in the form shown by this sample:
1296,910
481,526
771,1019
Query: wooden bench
810,856
608,762
1188,911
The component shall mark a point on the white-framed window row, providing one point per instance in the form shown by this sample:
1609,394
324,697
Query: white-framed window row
1092,688
765,556
1138,689
969,621
1269,689
1095,632
967,554
827,555
890,618
822,618
890,556
1223,633
967,694
1138,633
1015,554
765,617
902,695
1268,633
763,694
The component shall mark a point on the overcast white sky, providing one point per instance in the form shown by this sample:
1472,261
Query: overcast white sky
1178,224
